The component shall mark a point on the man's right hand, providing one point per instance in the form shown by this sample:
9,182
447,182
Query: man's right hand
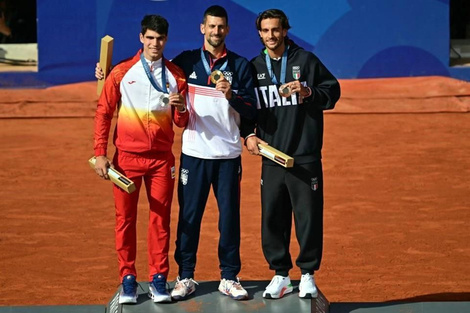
101,166
99,74
252,144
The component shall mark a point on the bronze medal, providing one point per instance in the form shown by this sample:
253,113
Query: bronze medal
285,91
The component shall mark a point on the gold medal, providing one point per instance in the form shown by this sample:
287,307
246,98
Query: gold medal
216,75
285,91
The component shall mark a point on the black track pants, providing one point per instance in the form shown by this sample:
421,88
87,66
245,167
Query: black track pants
298,190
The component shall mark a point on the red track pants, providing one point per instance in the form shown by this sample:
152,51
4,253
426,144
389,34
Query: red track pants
157,171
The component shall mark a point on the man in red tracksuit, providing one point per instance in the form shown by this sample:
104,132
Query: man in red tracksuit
149,93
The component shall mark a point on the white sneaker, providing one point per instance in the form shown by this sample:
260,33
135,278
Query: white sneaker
278,287
233,289
307,288
183,288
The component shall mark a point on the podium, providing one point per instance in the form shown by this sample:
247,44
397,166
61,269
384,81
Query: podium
207,298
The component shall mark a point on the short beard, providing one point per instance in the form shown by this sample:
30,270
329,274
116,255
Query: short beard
215,44
286,42
277,45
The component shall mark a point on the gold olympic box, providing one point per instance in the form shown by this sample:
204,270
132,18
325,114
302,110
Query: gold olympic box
276,155
117,178
106,55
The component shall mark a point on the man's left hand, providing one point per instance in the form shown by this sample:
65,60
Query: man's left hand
177,100
224,86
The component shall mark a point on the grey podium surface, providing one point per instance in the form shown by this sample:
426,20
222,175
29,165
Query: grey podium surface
401,307
207,298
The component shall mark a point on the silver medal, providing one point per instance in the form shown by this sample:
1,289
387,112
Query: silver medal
164,99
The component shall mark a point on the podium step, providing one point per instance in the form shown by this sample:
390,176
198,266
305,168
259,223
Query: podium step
207,298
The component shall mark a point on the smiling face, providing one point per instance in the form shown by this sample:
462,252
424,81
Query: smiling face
272,35
214,29
153,44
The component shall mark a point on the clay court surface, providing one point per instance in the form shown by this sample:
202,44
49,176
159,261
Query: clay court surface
397,199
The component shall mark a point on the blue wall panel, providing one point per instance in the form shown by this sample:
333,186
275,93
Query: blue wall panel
66,40
354,38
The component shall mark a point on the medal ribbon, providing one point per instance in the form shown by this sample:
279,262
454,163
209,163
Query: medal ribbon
151,78
283,67
206,64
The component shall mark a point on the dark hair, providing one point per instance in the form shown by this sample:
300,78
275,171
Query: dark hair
215,10
156,23
273,13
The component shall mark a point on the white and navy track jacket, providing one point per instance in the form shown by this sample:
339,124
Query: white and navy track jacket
213,127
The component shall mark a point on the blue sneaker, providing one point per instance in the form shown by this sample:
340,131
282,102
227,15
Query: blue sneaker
128,293
157,289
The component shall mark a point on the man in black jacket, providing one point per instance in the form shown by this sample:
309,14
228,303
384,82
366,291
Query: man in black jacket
293,88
